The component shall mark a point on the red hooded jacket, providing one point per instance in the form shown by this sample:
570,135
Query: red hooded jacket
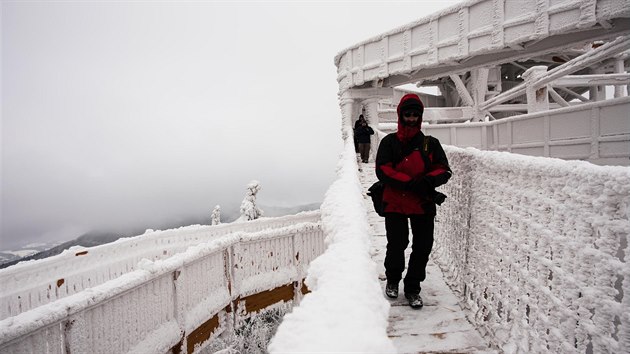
407,155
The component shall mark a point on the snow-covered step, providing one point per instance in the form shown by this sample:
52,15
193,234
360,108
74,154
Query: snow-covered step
441,325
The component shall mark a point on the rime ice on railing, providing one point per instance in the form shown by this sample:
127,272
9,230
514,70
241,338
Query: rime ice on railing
35,283
537,249
177,302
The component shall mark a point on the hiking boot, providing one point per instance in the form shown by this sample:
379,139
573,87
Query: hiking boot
415,301
391,290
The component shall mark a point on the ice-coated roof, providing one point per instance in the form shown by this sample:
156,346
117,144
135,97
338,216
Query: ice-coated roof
475,33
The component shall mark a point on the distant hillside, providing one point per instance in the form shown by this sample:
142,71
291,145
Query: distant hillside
95,238
270,211
86,240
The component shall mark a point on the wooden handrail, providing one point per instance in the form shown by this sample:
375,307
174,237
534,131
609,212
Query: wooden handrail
185,305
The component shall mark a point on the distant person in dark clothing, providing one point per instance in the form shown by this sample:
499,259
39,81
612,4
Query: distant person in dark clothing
411,165
362,132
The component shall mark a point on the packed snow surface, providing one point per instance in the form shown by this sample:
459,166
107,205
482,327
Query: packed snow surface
346,311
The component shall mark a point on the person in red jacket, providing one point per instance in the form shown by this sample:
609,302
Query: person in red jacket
410,165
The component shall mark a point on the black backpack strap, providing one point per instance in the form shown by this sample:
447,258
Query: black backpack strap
424,152
401,151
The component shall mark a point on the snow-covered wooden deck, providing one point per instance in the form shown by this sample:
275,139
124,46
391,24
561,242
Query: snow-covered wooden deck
441,325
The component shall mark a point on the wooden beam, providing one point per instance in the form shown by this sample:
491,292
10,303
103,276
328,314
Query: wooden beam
462,91
518,65
592,80
480,88
257,302
382,92
202,333
557,98
618,45
573,94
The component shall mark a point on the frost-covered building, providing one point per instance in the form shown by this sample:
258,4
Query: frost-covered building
556,69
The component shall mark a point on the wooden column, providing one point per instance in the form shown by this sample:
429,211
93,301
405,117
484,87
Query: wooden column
537,97
479,88
619,69
347,112
371,115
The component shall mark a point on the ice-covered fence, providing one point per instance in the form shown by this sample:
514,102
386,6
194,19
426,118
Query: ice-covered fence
174,303
538,250
598,132
31,284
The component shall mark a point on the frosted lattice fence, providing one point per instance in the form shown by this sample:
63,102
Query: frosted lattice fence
31,284
180,301
538,250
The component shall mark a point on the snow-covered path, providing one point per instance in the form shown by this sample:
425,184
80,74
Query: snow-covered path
441,325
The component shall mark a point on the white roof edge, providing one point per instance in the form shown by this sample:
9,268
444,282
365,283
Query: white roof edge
456,33
425,19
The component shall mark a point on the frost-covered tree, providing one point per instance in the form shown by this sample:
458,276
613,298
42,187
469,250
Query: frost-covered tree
249,210
216,215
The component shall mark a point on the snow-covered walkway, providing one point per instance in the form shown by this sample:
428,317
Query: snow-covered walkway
441,325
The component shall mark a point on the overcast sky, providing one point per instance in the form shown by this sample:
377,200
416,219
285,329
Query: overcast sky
125,113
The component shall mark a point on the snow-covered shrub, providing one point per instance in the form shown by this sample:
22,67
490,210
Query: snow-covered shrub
249,210
252,335
216,215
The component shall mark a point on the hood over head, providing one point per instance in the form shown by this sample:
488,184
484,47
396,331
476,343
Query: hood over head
410,101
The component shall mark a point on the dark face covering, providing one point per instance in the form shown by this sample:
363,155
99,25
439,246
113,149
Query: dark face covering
411,118
409,126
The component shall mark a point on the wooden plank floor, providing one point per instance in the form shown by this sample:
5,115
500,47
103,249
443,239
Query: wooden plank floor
441,325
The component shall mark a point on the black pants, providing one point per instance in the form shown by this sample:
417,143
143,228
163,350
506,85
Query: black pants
364,150
397,241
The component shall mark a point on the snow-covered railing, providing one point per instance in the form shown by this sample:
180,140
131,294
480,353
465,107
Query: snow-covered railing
598,132
177,303
28,285
346,310
537,249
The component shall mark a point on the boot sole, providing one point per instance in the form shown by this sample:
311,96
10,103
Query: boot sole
416,307
391,296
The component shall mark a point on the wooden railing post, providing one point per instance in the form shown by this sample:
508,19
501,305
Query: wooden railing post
178,308
297,284
229,278
76,334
